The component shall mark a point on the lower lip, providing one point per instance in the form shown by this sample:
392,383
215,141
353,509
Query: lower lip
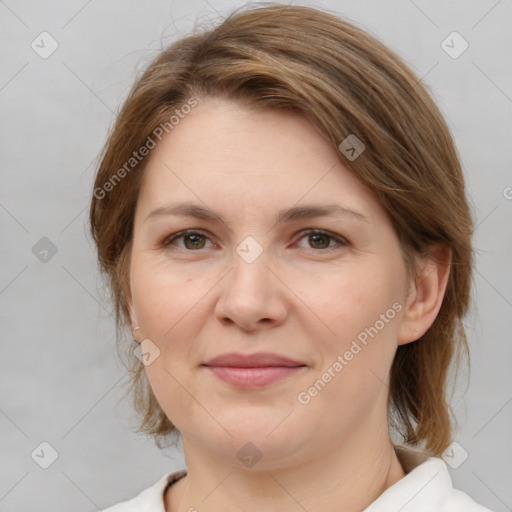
253,377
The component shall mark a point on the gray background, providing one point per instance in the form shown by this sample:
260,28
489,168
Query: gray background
61,381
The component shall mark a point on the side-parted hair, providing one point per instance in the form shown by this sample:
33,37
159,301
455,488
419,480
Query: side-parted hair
346,82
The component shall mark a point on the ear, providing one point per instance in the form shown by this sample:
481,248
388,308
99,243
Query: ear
133,317
135,328
426,293
126,290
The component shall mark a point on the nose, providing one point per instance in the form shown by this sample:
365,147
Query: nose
252,295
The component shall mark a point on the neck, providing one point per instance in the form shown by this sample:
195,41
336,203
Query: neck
348,478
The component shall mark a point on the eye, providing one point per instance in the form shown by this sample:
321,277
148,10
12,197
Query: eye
320,239
193,239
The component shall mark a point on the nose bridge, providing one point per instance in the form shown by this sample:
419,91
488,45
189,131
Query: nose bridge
251,261
249,249
249,293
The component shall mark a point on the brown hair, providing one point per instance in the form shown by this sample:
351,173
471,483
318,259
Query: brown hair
346,82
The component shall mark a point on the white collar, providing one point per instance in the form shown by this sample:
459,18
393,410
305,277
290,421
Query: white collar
426,487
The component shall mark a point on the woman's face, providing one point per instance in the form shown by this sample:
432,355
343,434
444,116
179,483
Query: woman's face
257,281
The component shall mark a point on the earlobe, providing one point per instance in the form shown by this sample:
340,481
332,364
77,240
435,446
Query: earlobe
133,320
136,334
426,293
131,311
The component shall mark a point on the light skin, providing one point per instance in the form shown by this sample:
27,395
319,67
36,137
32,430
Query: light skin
306,297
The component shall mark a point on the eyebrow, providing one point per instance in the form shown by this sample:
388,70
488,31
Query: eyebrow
288,215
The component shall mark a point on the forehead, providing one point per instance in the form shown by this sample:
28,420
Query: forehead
232,155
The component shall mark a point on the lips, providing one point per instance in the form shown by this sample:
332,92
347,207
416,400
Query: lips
258,360
253,371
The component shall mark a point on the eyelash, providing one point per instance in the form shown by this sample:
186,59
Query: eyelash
342,241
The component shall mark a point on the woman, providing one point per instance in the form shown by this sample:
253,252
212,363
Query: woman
282,217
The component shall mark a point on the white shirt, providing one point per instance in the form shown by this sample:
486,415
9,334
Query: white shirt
427,487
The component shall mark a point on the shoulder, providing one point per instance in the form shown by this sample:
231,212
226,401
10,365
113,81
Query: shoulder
426,487
150,499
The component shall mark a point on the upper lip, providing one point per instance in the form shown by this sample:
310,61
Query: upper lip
260,359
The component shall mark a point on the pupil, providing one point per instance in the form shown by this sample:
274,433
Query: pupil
197,238
319,236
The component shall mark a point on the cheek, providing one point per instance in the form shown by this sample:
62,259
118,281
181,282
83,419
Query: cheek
363,309
167,304
364,313
163,297
358,297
